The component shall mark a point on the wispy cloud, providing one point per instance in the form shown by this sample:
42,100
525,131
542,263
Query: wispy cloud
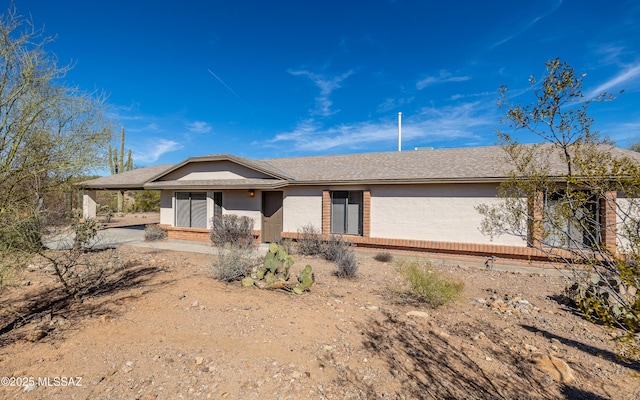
155,150
326,85
198,127
472,95
466,123
556,4
443,77
627,76
394,104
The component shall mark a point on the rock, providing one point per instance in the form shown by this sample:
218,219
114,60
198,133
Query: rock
419,314
195,304
29,388
557,368
35,335
199,360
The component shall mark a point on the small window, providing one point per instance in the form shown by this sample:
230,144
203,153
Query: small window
346,212
191,209
217,205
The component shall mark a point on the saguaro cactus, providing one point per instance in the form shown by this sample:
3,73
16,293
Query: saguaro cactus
118,165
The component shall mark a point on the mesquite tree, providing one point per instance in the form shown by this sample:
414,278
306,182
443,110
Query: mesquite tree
49,133
573,196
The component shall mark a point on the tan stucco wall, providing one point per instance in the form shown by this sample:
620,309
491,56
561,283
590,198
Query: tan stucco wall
89,205
628,210
166,207
233,202
415,212
213,170
434,212
239,203
302,206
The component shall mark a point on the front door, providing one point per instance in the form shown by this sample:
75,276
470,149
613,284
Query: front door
271,216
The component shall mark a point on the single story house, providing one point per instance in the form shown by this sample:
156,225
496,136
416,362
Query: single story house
422,200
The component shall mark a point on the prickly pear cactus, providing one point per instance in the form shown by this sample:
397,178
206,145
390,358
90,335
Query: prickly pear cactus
274,272
306,278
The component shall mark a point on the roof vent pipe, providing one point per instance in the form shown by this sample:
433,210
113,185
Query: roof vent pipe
399,131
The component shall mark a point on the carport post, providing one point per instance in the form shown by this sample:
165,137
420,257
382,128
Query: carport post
89,204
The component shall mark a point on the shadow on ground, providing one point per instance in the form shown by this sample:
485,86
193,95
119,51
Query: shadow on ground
605,354
431,364
38,308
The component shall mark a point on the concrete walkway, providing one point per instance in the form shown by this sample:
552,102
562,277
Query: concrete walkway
134,236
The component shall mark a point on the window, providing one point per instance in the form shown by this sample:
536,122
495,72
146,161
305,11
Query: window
217,204
572,222
191,209
346,212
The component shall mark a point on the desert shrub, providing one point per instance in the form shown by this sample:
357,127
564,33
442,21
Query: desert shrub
106,212
287,244
333,248
346,263
309,240
427,284
21,234
233,230
85,232
154,232
609,300
233,262
384,256
146,200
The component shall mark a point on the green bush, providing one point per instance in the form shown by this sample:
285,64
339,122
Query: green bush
154,232
146,201
427,284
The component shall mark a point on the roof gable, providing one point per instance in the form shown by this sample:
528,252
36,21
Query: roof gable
222,166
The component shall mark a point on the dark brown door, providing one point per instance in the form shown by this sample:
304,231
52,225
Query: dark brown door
271,216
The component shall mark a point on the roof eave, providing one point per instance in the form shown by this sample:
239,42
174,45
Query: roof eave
187,186
398,181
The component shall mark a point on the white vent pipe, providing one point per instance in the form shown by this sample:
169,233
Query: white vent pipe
399,131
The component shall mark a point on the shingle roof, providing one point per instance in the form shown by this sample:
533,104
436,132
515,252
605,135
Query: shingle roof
472,164
134,179
455,164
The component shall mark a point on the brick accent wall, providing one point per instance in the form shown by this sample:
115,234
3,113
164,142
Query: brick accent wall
608,221
193,234
366,213
475,249
535,225
326,212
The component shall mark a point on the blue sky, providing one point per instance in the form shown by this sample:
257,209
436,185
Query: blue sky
265,79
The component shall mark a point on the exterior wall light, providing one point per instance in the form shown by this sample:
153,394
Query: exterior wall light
252,192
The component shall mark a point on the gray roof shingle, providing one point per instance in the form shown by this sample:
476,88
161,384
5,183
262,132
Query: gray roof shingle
472,164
